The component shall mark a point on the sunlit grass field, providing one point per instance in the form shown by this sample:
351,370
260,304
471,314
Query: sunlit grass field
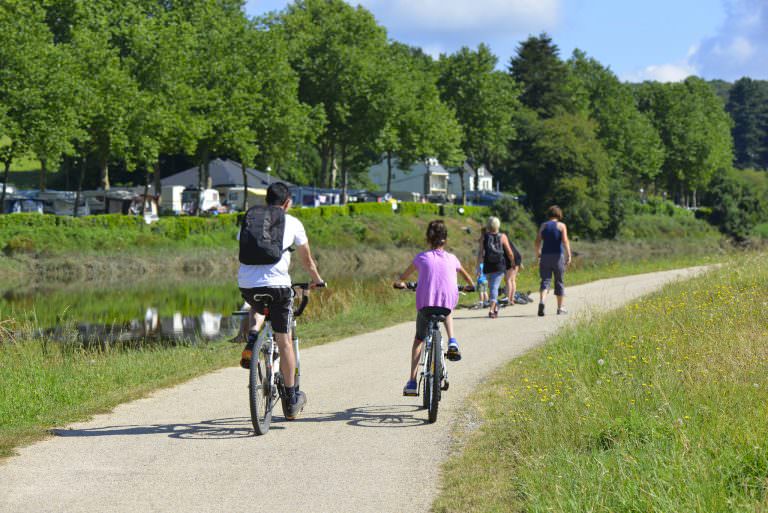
658,407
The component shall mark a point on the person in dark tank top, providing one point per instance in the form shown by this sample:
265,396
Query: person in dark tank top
554,252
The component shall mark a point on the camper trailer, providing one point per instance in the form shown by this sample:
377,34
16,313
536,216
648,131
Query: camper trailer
233,197
170,199
195,201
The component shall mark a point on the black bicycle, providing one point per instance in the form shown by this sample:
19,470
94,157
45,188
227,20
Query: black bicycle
433,377
265,381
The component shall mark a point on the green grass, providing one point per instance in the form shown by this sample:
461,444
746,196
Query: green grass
657,407
51,384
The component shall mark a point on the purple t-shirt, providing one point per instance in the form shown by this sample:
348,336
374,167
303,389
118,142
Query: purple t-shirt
437,285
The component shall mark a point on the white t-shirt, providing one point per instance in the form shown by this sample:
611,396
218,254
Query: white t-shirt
274,275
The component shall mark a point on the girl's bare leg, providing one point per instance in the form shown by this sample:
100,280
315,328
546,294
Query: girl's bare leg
415,357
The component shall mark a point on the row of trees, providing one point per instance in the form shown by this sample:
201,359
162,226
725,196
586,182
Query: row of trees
318,93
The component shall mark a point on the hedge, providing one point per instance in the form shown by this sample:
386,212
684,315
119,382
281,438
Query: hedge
371,209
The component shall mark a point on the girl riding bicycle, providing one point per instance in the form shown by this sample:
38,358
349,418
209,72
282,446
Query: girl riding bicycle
436,292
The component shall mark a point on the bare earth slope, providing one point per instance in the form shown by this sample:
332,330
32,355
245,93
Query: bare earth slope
359,446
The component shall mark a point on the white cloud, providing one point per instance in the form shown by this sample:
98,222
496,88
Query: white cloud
740,48
467,16
662,73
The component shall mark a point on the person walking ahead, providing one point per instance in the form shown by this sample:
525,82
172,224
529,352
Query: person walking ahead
554,252
493,253
261,229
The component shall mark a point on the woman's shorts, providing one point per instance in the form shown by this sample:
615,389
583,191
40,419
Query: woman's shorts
422,319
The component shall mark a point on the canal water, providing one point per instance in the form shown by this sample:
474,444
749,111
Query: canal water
145,312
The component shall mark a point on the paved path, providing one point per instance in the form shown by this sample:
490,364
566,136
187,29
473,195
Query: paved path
360,446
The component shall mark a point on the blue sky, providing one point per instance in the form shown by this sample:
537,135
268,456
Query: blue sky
663,40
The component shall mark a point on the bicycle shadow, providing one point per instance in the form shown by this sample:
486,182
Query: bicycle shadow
392,416
215,429
374,416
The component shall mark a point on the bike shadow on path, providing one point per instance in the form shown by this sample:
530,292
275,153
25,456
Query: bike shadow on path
374,416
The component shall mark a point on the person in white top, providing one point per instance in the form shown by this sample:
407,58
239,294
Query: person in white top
274,280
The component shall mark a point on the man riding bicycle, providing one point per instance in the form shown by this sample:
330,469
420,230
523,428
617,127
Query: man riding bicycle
273,280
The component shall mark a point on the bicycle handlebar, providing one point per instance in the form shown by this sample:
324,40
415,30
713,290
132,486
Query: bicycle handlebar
305,297
411,285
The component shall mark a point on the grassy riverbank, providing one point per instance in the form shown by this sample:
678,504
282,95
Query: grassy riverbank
657,407
47,384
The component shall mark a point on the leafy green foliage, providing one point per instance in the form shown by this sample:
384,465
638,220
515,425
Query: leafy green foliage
695,131
735,207
748,105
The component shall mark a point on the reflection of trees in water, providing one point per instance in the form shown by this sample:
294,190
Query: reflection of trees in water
151,329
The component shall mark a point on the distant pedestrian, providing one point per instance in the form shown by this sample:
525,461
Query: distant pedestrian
494,247
510,278
554,252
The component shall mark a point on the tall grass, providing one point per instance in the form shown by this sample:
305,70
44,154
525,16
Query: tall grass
658,407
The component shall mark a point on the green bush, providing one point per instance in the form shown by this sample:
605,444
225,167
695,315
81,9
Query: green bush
518,219
761,230
19,244
334,211
649,226
371,209
411,208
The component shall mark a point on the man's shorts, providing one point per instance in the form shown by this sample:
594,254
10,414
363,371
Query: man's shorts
280,308
422,319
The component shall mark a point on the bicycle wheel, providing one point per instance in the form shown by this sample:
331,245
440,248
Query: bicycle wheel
436,376
260,394
426,379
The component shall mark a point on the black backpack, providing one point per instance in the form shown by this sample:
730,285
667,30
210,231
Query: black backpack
494,252
261,235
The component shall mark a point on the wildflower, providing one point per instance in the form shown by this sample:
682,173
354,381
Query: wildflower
601,362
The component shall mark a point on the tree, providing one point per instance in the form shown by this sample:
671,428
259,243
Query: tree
337,51
735,207
546,85
417,125
748,106
695,130
627,134
485,102
35,88
563,163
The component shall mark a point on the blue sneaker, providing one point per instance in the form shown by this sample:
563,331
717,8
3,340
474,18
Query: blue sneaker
411,389
453,353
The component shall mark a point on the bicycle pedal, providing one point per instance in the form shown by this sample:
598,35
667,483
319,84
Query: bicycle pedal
445,385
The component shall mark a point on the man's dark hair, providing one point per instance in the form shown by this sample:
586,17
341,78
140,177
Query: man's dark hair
277,193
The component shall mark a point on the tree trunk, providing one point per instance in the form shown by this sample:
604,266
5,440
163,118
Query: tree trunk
43,170
325,160
245,187
389,171
156,177
103,172
344,175
5,184
334,168
463,186
83,162
693,194
146,192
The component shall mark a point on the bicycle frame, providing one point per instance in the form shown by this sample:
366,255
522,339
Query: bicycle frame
433,336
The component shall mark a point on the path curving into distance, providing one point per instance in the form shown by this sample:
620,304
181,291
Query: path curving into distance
358,447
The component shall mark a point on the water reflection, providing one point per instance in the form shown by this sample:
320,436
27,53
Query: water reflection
139,313
152,329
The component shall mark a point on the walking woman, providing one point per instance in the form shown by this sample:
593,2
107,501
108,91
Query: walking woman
494,247
554,252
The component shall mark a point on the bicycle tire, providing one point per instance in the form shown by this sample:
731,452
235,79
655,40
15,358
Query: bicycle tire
436,377
260,394
426,381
